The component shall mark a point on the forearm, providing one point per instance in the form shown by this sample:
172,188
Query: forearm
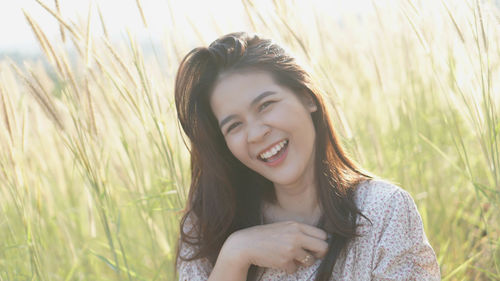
228,269
230,265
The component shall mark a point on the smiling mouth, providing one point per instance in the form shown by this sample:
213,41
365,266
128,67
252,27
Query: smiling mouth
275,152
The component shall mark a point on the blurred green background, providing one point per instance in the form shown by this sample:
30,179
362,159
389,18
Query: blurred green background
93,167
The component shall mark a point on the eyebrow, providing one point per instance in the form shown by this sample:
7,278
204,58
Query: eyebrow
253,103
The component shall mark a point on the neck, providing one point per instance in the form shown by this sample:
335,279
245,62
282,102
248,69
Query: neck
296,202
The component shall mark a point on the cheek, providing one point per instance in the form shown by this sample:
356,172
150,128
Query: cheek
287,117
279,116
237,148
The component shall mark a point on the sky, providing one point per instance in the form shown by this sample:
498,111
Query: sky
119,15
123,15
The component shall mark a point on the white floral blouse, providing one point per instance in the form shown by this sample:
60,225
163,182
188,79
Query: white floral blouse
394,248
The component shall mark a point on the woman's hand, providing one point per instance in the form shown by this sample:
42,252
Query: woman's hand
281,245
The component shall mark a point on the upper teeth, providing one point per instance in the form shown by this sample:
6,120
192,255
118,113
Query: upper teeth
272,151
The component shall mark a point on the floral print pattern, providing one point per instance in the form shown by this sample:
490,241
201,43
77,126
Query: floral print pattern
395,247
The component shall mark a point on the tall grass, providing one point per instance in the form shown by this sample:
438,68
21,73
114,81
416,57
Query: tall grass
94,171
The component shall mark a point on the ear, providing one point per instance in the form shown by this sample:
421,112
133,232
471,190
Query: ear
310,104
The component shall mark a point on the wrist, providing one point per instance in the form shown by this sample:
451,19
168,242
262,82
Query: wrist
230,264
234,252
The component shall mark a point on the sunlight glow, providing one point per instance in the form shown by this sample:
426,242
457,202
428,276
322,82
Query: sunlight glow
121,16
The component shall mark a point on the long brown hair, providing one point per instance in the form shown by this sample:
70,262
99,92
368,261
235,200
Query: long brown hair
225,195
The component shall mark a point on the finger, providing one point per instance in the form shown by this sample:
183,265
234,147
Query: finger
305,258
290,267
313,231
317,247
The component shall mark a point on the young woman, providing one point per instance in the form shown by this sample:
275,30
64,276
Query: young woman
273,194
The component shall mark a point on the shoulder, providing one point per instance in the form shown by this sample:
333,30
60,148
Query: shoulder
382,201
376,193
401,250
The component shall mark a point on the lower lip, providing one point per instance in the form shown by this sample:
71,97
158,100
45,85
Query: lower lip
279,160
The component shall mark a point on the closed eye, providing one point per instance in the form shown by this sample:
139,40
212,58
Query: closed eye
232,126
265,104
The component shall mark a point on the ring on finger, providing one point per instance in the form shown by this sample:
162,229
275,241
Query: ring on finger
306,259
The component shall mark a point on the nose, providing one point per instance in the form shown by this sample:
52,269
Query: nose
257,132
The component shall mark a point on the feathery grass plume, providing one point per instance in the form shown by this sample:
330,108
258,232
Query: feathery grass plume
74,32
120,83
38,34
71,77
178,55
8,84
92,121
138,61
120,62
61,27
83,149
246,4
88,37
77,46
88,50
103,24
452,18
122,89
16,184
41,97
143,18
427,120
282,18
416,30
5,114
251,9
45,43
164,144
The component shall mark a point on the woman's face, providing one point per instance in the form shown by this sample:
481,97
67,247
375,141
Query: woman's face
266,126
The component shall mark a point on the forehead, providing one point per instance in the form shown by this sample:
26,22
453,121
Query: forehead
239,89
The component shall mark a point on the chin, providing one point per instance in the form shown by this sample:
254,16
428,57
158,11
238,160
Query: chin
283,182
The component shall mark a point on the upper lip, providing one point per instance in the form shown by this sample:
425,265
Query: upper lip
269,147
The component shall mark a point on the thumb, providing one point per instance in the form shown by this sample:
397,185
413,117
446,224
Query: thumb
290,267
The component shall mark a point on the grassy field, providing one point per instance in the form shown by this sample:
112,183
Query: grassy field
94,171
